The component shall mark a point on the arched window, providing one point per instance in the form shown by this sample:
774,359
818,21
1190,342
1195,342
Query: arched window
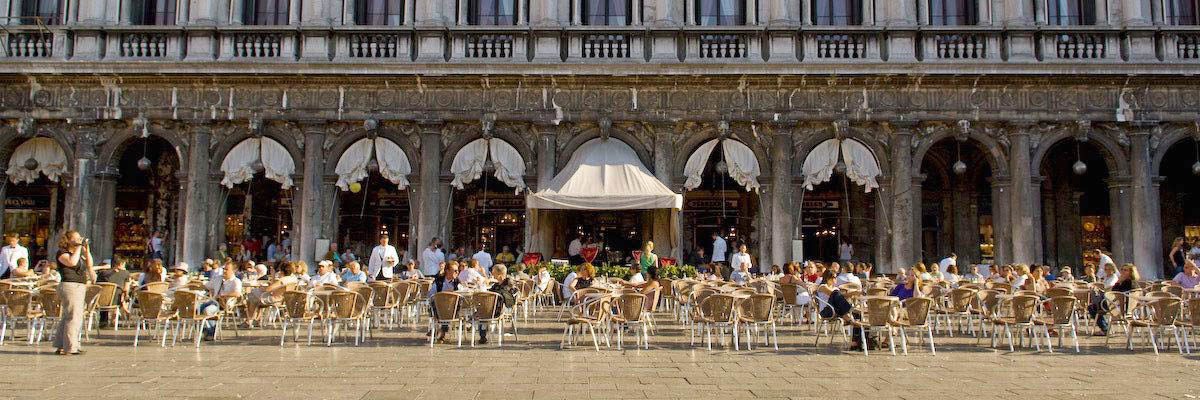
606,12
720,12
379,12
953,12
265,12
492,12
837,12
1182,12
1071,12
153,12
49,11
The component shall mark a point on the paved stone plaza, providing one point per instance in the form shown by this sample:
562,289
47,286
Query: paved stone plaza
398,364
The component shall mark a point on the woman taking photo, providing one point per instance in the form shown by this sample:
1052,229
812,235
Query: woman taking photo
74,260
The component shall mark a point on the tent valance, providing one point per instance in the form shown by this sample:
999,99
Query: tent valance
740,164
861,166
50,157
238,165
393,163
604,175
469,163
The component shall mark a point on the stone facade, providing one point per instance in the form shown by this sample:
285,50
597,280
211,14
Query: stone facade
316,92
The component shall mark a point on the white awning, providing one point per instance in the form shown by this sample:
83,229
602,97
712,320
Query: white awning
740,162
393,163
468,164
861,166
604,175
277,162
50,157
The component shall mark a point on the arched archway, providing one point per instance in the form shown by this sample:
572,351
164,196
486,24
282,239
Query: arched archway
373,194
1079,211
721,197
840,203
957,213
487,211
1179,192
260,196
34,194
141,197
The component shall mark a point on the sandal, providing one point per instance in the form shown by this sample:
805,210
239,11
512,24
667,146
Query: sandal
76,353
60,352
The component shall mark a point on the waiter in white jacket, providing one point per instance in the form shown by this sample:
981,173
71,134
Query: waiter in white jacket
12,251
383,260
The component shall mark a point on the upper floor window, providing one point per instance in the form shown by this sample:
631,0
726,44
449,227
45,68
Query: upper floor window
266,12
492,12
1182,12
379,12
720,12
48,11
153,12
953,12
1071,12
606,12
837,12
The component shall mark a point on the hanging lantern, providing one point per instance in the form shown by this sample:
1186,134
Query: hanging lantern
31,164
373,165
144,164
1196,168
355,187
722,167
960,167
257,165
1079,167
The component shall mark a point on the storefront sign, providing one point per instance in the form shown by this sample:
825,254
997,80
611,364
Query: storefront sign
709,204
27,202
500,203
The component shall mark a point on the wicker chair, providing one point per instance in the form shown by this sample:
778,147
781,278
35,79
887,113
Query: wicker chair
916,316
19,306
590,313
346,308
90,296
152,311
1120,305
298,308
366,301
882,315
385,304
1062,318
51,310
1164,312
191,319
447,309
488,313
984,307
525,294
757,312
958,308
717,312
109,300
630,311
156,287
1024,311
1191,323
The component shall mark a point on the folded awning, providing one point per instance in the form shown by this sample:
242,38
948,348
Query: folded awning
276,161
604,174
50,160
861,166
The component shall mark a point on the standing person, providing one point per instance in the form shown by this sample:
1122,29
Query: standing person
484,259
1194,253
573,250
272,249
740,261
845,251
506,256
155,245
12,251
74,259
383,260
649,261
1178,255
1105,260
720,248
432,257
951,259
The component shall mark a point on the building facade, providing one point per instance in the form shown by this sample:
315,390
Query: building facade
1004,131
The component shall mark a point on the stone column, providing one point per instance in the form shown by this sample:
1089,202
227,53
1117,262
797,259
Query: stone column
547,150
202,45
664,152
918,211
79,207
966,224
106,199
1119,193
903,197
430,196
329,218
1036,207
1022,198
783,209
218,197
311,206
4,193
1001,220
198,198
1146,223
430,42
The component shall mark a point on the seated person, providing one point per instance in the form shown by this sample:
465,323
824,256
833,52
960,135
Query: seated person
542,279
908,289
1190,277
844,277
354,273
741,275
117,275
507,291
1089,273
775,274
974,276
411,272
22,269
225,291
833,305
519,275
324,275
637,281
470,275
271,294
179,278
153,273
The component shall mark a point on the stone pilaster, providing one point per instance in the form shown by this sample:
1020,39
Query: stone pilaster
197,199
202,45
903,234
918,226
1036,208
311,207
1146,222
1023,197
216,209
431,198
1119,198
1001,220
329,222
103,224
783,209
547,150
79,208
1020,14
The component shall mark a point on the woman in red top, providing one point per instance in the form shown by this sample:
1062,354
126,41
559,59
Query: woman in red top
810,272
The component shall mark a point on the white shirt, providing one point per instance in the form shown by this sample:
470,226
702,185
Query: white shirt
1105,260
566,284
470,276
376,263
543,280
738,259
739,277
845,251
946,263
485,260
719,250
1019,282
328,278
574,248
220,287
9,256
846,277
637,279
430,259
1111,280
156,244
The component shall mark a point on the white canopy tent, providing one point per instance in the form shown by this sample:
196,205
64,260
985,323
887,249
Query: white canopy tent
605,174
740,162
50,157
861,165
277,163
393,163
469,163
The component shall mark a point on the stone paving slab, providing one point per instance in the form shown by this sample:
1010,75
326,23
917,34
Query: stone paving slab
399,364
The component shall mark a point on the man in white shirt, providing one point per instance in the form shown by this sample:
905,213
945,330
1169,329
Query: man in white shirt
225,291
431,257
383,260
719,248
566,285
740,261
573,250
471,276
637,277
844,276
485,260
1104,260
155,245
12,251
945,264
324,275
845,251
